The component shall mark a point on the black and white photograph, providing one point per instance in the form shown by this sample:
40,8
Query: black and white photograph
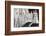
24,17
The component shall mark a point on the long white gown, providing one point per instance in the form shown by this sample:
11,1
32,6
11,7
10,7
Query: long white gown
35,19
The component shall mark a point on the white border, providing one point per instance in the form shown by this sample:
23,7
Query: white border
26,28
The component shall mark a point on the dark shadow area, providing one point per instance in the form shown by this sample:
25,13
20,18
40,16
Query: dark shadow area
26,24
33,25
